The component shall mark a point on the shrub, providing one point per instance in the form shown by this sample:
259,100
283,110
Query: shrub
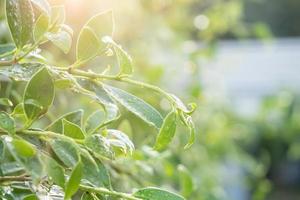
70,157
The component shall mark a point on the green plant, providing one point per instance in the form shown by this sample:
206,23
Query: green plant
70,156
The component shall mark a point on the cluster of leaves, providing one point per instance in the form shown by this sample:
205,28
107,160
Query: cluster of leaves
71,156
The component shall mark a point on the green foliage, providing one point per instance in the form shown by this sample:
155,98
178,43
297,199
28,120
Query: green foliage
20,18
42,148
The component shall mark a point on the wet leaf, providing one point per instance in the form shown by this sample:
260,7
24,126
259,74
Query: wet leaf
136,105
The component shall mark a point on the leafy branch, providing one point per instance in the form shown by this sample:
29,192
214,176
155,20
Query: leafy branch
74,153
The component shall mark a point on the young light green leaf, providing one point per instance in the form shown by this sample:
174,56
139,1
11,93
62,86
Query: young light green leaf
66,151
63,83
136,105
95,121
87,45
74,181
74,117
54,171
38,92
72,130
23,148
30,197
186,181
166,132
119,139
61,39
43,5
191,127
41,27
58,16
7,123
181,106
20,20
124,59
5,102
103,25
152,193
100,146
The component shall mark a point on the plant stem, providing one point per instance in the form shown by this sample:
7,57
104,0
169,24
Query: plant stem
23,177
93,75
48,134
5,63
108,192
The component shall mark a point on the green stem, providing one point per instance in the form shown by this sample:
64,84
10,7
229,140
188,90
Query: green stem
93,75
48,134
108,192
28,51
14,178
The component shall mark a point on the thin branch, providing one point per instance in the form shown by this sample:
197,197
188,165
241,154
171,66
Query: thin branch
5,63
93,75
23,177
100,190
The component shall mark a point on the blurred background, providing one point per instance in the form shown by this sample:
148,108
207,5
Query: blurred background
239,61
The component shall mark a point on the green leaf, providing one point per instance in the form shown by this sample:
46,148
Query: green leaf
87,45
104,174
95,121
1,150
23,148
190,124
152,193
43,5
21,72
87,196
61,39
7,123
181,106
5,102
31,197
20,20
112,111
74,117
103,25
55,171
99,146
124,59
10,167
119,139
72,130
29,159
58,16
6,50
166,132
63,83
95,174
39,92
125,127
66,151
186,181
74,181
41,27
136,105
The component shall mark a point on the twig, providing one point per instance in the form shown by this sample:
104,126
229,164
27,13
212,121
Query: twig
23,177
